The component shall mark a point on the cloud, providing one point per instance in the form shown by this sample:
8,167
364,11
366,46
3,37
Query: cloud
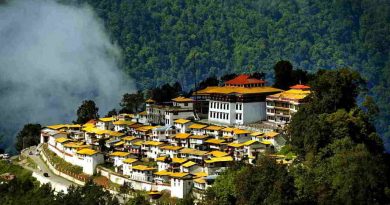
52,57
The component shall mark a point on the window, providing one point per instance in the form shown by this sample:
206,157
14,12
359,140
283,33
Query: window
227,106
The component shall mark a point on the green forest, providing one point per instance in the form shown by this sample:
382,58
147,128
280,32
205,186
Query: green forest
174,40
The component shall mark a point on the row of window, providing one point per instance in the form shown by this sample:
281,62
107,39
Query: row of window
219,105
219,115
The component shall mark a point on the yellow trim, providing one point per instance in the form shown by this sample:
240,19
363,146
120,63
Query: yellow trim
182,99
215,141
218,153
143,168
107,119
62,139
213,128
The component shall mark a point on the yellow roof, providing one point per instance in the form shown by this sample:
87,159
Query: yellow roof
188,164
138,143
215,141
107,119
143,113
218,153
161,159
129,160
87,151
182,99
236,145
213,127
293,94
256,133
119,143
193,151
271,134
182,121
228,129
60,126
163,173
198,136
120,154
182,135
145,128
200,174
129,138
249,142
152,143
266,142
219,159
123,122
171,147
179,174
62,139
179,160
200,180
237,90
143,168
76,145
150,100
240,132
197,126
114,134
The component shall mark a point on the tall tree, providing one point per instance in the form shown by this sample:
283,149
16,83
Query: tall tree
132,103
28,136
283,73
87,111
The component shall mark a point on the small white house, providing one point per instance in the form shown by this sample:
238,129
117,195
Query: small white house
181,184
91,158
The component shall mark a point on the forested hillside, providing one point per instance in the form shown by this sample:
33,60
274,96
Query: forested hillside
171,40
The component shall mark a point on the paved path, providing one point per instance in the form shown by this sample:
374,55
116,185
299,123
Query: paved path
42,167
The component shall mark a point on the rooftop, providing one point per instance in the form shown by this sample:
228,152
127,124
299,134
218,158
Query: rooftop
244,79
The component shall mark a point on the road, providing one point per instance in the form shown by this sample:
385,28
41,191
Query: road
42,167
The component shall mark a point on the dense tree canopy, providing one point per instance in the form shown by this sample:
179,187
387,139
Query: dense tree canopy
160,37
28,136
87,111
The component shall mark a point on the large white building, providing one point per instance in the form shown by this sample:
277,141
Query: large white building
240,101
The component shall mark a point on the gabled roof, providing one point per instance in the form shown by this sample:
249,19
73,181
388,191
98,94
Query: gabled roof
271,134
197,126
129,138
182,121
182,135
244,79
215,141
219,159
123,122
188,164
62,139
300,87
87,151
171,147
120,154
107,119
213,128
143,168
182,99
218,153
239,131
129,160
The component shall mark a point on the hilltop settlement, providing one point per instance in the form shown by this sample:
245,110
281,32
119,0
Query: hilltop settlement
183,145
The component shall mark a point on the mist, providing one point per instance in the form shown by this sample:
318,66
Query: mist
52,57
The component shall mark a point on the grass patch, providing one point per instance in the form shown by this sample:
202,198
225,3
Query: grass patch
18,171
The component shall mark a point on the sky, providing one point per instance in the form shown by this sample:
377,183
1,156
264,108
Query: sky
52,57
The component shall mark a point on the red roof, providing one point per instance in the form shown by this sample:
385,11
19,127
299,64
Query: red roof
243,79
300,86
